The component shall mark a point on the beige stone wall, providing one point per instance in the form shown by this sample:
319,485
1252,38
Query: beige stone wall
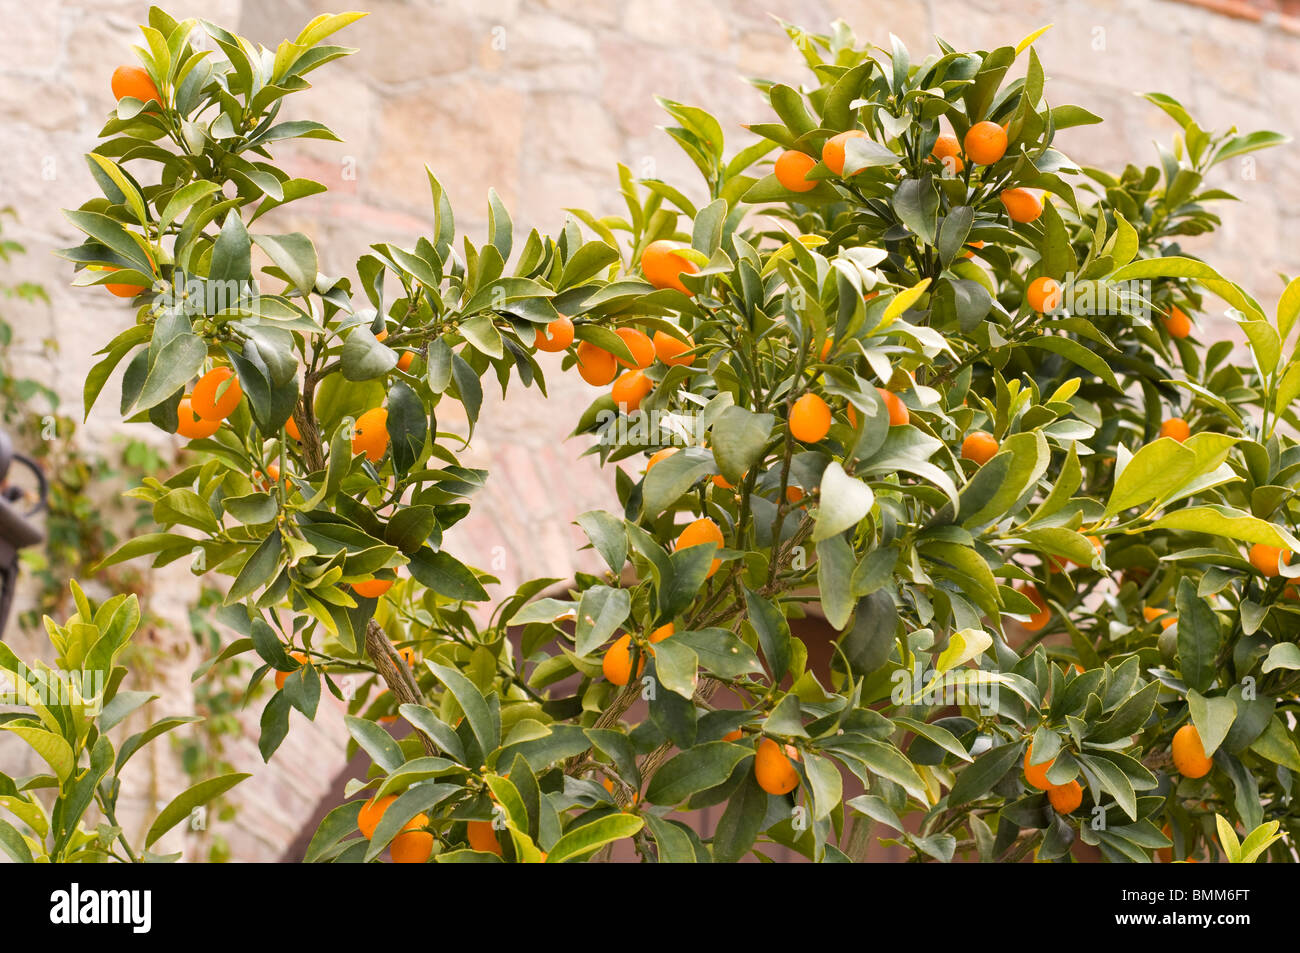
540,99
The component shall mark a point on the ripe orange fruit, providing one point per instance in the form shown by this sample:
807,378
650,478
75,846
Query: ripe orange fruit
661,633
791,168
985,142
810,419
210,401
406,360
189,424
660,455
617,663
794,493
1036,774
1166,854
1044,294
772,768
412,846
1177,323
1043,615
980,447
1021,205
596,366
663,265
291,428
1189,753
1175,428
382,335
898,415
560,333
407,654
639,343
1151,613
372,813
721,482
273,472
970,249
120,289
1066,798
482,837
735,735
672,351
282,677
833,151
948,151
827,347
630,389
370,433
134,81
703,530
1265,558
372,588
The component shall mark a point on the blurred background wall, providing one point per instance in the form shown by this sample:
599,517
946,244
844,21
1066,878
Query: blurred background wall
540,99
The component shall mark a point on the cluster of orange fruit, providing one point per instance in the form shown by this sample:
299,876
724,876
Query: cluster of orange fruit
985,144
1065,798
414,845
214,398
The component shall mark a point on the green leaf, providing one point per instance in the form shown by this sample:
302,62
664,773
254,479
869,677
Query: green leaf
376,742
977,780
843,502
56,751
608,537
1157,469
446,575
601,611
187,801
835,565
739,437
773,633
591,837
1198,637
1230,523
178,360
485,726
1213,717
693,770
672,476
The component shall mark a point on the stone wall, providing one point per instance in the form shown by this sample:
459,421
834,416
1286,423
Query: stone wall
540,99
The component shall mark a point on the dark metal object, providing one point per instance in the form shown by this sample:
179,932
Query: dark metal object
16,529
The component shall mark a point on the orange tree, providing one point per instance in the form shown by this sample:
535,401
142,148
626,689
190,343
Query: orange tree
973,429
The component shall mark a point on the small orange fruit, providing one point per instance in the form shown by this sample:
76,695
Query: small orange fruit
639,343
661,633
120,289
1166,854
372,813
617,663
217,394
406,360
372,588
794,493
189,424
772,768
1036,774
370,433
660,455
898,414
1177,323
630,389
721,482
810,419
291,428
833,151
482,837
980,447
382,335
734,735
672,351
1189,754
1043,615
970,249
596,366
948,151
560,333
1066,798
134,81
701,531
1043,294
1151,613
1021,205
985,142
1176,429
413,845
1265,558
663,265
282,677
827,346
791,168
407,655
